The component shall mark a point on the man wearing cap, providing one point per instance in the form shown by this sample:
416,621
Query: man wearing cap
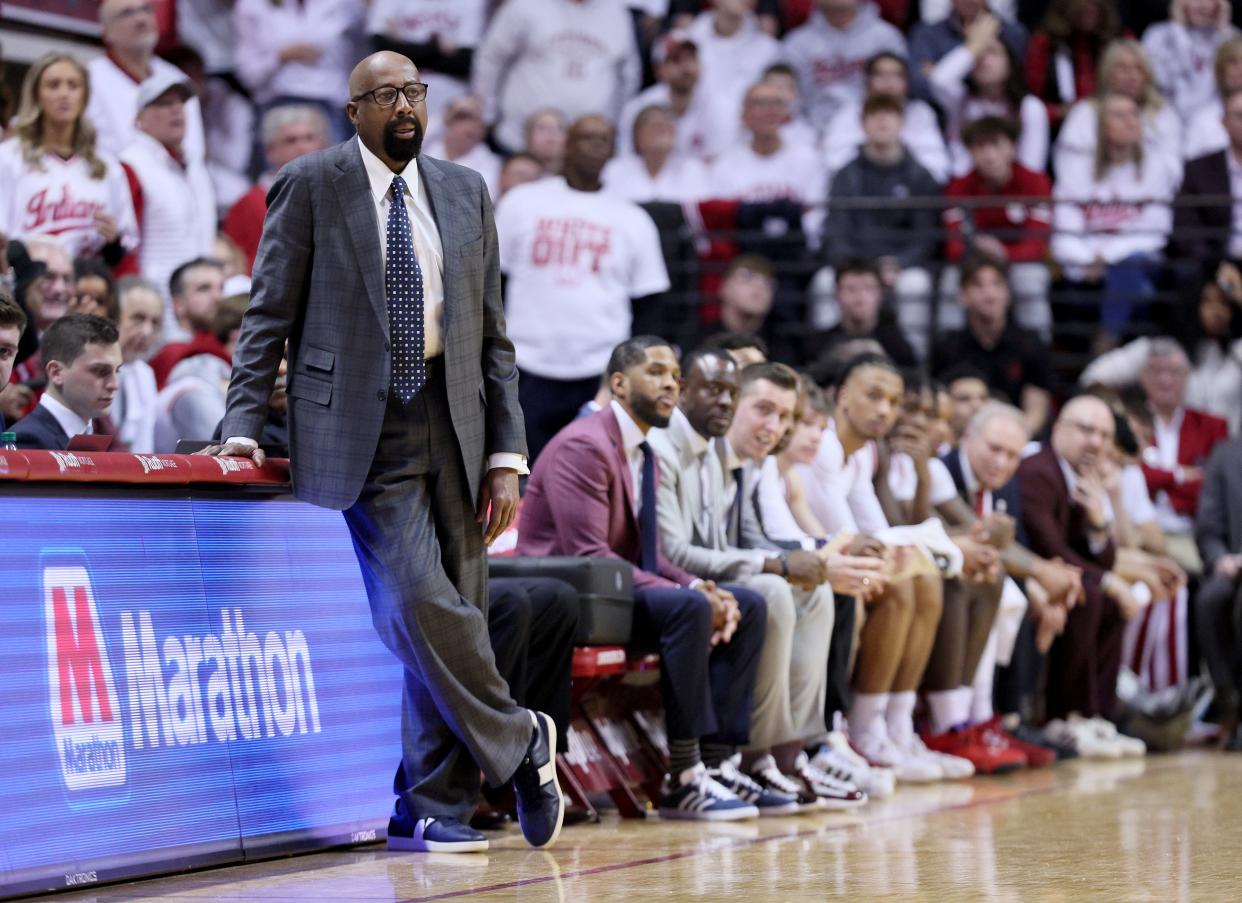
130,34
705,129
173,196
460,140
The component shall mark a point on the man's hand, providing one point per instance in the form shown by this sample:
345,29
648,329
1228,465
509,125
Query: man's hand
1229,566
1090,495
15,398
865,547
806,569
1050,618
997,530
500,492
1062,582
235,450
980,562
990,246
850,575
1120,592
725,613
911,442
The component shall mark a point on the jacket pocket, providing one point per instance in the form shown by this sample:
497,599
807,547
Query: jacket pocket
318,359
309,388
471,247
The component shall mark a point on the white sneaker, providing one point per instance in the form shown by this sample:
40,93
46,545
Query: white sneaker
918,764
855,770
955,768
1130,746
878,782
832,788
875,747
695,796
1083,737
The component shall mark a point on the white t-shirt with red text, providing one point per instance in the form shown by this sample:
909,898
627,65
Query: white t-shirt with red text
574,260
60,198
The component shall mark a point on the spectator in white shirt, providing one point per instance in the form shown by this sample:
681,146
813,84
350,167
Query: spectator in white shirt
172,193
1205,132
544,139
983,78
1182,51
298,52
577,263
142,318
766,167
656,171
887,73
576,56
129,35
1124,69
797,130
830,52
733,50
705,125
460,140
1110,228
53,180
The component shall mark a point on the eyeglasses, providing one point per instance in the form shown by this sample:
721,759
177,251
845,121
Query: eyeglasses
386,95
1090,430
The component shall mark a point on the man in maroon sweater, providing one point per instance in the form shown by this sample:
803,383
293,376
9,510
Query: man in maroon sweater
1010,230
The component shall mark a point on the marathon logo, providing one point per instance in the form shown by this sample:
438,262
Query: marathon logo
190,690
86,715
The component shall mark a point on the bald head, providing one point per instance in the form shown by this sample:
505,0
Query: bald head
1083,432
129,26
393,132
588,147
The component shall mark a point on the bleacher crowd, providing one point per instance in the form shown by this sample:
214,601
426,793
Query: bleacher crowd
786,280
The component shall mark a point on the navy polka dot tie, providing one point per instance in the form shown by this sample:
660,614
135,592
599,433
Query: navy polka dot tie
404,280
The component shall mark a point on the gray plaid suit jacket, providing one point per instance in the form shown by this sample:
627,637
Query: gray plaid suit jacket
319,283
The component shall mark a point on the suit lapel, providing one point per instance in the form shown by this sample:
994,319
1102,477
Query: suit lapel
353,193
618,446
441,200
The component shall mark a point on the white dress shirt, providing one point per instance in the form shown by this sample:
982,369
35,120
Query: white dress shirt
631,438
70,422
1163,454
430,253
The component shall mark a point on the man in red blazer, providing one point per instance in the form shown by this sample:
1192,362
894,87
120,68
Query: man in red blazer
1065,518
593,493
1182,440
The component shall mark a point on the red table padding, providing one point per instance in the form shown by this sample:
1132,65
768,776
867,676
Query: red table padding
116,467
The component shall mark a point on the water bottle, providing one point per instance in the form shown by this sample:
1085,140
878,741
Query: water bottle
8,441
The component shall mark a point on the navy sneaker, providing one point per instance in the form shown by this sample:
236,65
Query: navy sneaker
695,796
768,800
540,803
433,835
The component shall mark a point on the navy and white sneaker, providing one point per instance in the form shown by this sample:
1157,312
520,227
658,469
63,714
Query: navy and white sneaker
695,796
433,835
540,803
768,800
833,790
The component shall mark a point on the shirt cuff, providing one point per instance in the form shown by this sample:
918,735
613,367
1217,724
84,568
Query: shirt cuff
242,440
696,583
510,460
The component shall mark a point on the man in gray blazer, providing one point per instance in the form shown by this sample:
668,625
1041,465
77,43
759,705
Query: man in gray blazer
699,531
403,413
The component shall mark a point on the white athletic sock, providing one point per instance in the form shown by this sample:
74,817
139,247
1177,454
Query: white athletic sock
867,713
899,716
981,688
942,704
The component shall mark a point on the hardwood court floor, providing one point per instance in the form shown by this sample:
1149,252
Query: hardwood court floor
1164,829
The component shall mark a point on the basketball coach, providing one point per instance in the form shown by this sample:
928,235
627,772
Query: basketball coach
380,269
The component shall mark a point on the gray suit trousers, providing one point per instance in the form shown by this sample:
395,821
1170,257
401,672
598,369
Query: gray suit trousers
423,562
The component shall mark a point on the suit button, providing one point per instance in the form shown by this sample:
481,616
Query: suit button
381,395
